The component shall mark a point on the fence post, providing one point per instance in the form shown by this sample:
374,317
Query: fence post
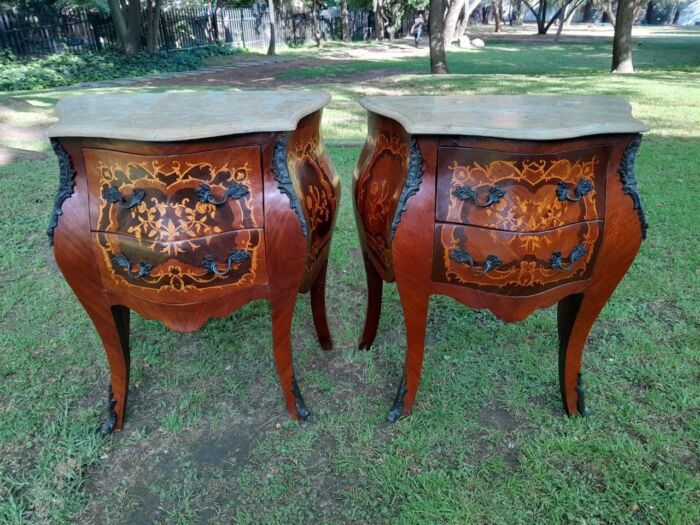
242,29
164,31
214,25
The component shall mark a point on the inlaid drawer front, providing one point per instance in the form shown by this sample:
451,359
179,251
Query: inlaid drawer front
514,263
519,192
171,272
173,198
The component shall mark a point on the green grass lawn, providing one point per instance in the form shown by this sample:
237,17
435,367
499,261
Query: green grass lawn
207,438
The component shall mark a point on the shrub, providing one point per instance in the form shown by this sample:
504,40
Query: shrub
69,68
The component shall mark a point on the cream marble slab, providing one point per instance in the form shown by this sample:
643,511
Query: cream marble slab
183,116
522,117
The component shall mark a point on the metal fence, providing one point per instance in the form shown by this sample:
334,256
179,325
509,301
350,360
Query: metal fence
76,30
70,31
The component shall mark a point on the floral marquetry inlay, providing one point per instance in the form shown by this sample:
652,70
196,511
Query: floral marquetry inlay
169,199
318,187
378,189
519,193
526,262
231,260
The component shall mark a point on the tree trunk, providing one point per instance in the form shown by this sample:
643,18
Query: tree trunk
540,15
316,24
555,16
451,20
378,19
622,41
650,17
438,61
153,8
608,10
588,12
127,22
517,19
542,18
560,27
464,18
273,37
496,16
345,20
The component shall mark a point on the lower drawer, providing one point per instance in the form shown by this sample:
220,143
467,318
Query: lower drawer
514,263
182,271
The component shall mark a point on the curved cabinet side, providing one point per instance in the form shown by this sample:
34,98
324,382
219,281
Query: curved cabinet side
317,188
378,184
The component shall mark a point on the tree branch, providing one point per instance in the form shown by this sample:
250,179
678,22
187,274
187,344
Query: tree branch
531,9
115,8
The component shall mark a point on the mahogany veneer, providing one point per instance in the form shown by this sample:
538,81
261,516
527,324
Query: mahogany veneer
182,231
496,223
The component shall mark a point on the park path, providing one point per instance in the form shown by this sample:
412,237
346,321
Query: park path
261,71
241,68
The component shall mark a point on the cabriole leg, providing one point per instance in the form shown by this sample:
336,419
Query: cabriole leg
575,317
375,285
282,308
318,309
415,311
112,325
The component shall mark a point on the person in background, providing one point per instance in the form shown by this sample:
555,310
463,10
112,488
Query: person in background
417,27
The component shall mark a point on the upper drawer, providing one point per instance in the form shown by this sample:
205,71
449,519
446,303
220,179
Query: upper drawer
174,197
520,192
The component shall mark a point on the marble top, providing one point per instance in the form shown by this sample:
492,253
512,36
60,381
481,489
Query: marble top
533,117
183,115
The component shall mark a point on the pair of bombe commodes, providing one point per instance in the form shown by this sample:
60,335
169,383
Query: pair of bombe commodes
186,206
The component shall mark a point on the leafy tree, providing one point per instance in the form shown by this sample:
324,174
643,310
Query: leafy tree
610,7
517,13
315,12
457,17
564,14
126,16
436,23
153,8
97,5
273,37
391,16
622,41
540,13
496,15
46,9
345,20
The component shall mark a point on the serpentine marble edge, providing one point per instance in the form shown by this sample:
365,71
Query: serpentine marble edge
519,117
156,117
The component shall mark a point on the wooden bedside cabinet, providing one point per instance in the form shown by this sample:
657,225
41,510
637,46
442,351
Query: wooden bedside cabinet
186,206
509,203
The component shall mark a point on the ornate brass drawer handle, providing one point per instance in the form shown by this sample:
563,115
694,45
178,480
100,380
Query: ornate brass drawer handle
465,193
237,256
583,187
113,195
235,190
122,261
462,256
578,253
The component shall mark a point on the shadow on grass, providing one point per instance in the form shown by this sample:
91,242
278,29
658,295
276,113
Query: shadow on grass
504,57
